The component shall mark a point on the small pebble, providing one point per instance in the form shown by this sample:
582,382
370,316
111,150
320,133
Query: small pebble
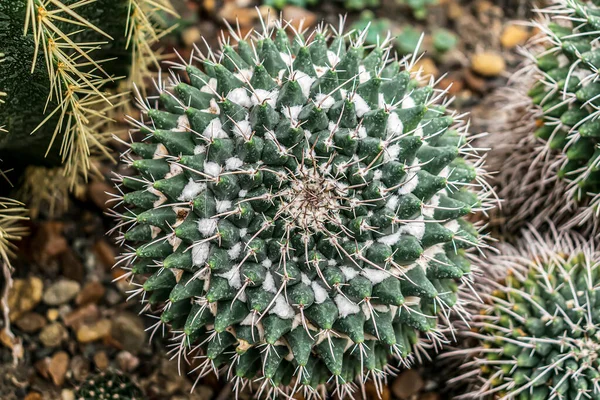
92,292
488,64
101,360
513,36
31,322
58,366
93,332
61,292
407,384
24,295
53,335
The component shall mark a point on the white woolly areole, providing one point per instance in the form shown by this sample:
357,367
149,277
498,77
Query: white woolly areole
375,275
349,272
391,153
269,284
452,225
363,74
160,151
415,228
235,251
214,130
305,81
393,126
240,96
242,193
287,58
333,58
207,226
211,168
291,113
430,254
305,279
261,95
233,277
233,163
408,102
325,101
213,108
392,202
390,239
267,263
410,182
345,306
183,124
282,309
222,205
360,105
243,129
244,75
199,149
210,87
320,293
200,254
191,190
431,205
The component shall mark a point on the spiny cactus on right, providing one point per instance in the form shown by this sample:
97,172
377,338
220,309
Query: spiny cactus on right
560,81
109,386
539,329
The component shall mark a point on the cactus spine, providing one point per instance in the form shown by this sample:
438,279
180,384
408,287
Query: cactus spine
297,213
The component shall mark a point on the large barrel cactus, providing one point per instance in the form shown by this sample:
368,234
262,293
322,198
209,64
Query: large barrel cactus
297,213
538,329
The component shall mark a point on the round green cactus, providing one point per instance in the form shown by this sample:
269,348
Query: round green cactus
563,92
297,216
538,329
109,386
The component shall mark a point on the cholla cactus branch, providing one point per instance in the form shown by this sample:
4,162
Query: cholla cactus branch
298,211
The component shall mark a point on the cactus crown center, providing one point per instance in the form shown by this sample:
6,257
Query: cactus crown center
313,200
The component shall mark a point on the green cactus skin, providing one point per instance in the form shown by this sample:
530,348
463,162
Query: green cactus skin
538,329
109,386
297,220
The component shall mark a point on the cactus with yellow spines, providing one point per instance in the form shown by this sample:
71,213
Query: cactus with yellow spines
62,59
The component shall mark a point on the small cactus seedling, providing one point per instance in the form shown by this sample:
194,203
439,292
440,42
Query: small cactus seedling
109,386
297,217
538,329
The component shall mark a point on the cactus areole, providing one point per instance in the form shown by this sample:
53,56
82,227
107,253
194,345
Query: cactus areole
297,214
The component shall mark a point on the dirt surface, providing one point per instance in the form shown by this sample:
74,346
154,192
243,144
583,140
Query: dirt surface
69,316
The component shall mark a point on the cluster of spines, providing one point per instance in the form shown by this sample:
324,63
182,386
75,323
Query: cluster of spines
260,159
79,106
538,328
